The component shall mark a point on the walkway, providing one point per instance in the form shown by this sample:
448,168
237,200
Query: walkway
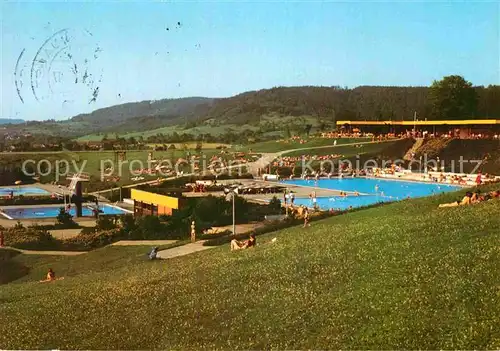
163,254
267,158
183,250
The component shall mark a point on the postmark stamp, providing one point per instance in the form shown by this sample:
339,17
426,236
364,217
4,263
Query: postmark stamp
65,67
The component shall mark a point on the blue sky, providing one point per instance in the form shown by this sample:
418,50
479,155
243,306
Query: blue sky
225,48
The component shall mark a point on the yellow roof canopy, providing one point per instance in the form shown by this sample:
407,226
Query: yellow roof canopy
423,123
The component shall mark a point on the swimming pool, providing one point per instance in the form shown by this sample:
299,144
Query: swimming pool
53,211
376,190
5,191
342,203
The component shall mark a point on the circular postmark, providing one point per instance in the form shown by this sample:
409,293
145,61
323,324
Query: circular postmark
64,68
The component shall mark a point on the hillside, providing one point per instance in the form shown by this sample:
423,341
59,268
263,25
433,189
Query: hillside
401,276
322,103
166,108
11,121
134,116
469,153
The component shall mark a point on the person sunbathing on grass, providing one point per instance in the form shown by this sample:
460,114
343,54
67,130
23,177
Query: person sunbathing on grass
240,245
51,276
494,194
467,200
490,196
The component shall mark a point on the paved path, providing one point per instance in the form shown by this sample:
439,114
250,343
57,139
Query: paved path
253,167
183,250
65,233
267,158
48,253
164,254
143,242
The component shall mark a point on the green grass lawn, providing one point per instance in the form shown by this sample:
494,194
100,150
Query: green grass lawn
202,129
91,160
281,145
344,150
401,276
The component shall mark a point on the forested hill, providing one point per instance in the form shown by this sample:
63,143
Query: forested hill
165,108
11,121
326,103
361,103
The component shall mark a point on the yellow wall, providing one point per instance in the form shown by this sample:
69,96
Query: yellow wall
421,123
155,199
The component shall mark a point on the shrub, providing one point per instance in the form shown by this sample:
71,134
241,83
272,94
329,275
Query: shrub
30,239
65,220
148,227
94,240
274,204
105,223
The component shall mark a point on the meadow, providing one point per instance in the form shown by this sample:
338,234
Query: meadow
90,162
345,150
283,145
265,125
406,275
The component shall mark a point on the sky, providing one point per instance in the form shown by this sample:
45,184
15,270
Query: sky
60,59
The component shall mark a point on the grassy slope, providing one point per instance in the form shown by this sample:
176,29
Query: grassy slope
93,160
404,275
345,151
280,145
279,123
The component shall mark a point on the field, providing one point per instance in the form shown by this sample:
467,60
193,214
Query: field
90,162
401,276
344,150
213,130
267,125
283,145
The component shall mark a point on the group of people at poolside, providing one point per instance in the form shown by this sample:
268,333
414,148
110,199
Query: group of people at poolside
473,198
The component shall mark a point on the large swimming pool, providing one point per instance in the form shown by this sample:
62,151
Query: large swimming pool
6,191
372,191
53,211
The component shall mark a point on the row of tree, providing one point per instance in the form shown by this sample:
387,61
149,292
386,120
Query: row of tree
450,98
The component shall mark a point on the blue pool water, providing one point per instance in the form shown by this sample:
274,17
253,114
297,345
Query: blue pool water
22,191
53,211
388,190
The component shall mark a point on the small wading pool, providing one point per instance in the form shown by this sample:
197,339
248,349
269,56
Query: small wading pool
22,191
53,211
376,190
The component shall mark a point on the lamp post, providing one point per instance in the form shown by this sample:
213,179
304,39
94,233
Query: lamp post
64,197
234,218
415,123
193,232
286,201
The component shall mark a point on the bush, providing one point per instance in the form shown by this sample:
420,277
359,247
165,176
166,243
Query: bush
148,227
94,240
128,224
274,204
30,239
105,223
65,220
